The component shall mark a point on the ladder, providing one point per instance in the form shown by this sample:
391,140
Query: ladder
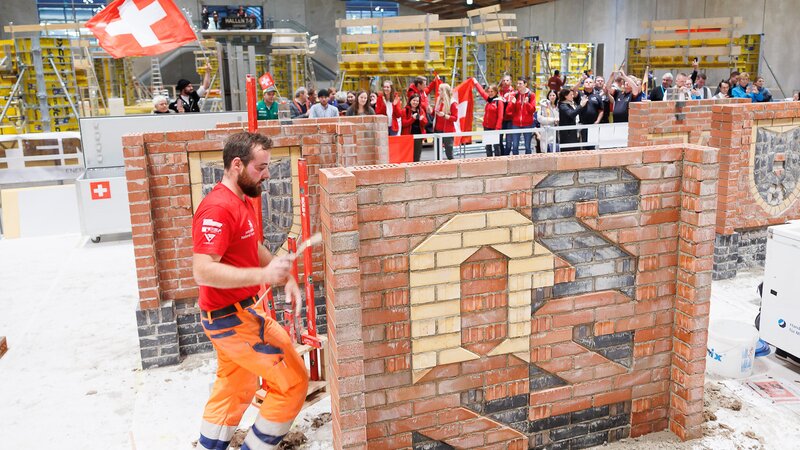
95,92
156,82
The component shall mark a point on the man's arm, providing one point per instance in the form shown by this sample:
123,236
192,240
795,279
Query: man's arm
206,81
210,271
264,256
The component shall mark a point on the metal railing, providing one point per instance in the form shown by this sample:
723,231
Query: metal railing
600,136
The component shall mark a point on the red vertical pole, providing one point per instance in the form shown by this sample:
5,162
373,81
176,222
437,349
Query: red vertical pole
291,243
252,113
305,224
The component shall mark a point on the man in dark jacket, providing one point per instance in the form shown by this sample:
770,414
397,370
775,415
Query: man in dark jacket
188,97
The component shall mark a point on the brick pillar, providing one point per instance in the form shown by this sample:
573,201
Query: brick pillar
156,324
343,300
692,301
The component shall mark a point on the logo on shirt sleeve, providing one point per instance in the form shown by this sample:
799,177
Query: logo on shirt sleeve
211,229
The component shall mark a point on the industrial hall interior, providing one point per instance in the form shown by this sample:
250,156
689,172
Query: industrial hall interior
408,224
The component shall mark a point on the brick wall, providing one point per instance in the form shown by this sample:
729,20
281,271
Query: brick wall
655,123
166,177
544,301
759,173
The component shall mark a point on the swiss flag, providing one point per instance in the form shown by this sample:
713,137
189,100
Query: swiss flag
466,103
100,190
266,81
140,27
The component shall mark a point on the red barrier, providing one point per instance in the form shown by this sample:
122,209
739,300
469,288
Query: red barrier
252,113
311,312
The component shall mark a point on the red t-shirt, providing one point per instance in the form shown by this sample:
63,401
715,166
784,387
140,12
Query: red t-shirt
226,225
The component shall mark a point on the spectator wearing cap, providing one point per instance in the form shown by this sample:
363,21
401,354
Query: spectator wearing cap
188,99
322,109
299,106
268,107
657,94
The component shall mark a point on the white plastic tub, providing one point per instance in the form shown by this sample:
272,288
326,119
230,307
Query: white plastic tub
731,348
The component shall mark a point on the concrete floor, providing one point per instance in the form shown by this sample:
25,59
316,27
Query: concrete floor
71,378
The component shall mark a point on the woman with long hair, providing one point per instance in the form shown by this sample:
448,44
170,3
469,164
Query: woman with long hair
567,116
414,121
360,107
492,116
548,117
445,116
392,112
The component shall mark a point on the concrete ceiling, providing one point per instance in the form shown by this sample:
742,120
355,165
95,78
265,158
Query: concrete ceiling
457,9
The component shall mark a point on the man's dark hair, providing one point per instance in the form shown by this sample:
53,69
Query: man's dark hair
702,75
323,93
241,145
556,73
523,79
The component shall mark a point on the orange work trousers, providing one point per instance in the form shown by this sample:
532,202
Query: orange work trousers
249,345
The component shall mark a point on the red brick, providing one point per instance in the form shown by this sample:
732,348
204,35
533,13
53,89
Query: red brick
578,160
405,192
367,176
432,171
506,184
483,167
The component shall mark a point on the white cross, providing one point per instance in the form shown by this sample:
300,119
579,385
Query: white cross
100,190
137,22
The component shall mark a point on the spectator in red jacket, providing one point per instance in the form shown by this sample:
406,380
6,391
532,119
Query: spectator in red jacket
522,106
445,116
414,121
421,88
393,113
492,116
506,92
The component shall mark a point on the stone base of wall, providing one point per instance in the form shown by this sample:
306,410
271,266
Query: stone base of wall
743,249
158,336
174,330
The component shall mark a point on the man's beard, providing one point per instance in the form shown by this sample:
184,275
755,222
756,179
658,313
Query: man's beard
250,186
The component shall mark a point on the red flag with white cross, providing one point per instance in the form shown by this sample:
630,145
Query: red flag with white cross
140,27
266,81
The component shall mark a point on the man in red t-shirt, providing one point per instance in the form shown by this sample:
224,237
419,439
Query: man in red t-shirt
229,265
555,82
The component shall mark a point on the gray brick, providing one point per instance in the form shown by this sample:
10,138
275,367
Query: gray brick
617,205
554,212
168,328
619,190
148,341
572,288
184,340
626,176
591,270
167,339
142,318
147,353
549,423
580,193
589,414
168,312
589,240
603,283
578,256
167,350
570,431
610,252
613,339
568,227
557,243
161,361
148,330
590,440
557,179
597,176
510,416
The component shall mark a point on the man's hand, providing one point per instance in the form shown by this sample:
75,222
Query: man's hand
584,100
278,271
179,105
293,297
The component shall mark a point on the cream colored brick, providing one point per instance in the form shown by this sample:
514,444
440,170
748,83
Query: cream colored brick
422,328
522,234
430,277
420,295
423,360
472,221
516,250
520,282
506,217
514,345
439,241
521,329
421,261
456,355
448,325
529,265
525,356
486,237
781,122
419,374
796,121
448,291
539,249
519,298
450,258
436,343
436,310
519,314
543,279
195,169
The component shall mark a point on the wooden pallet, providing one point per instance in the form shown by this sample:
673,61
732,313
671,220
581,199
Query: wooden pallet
3,346
317,390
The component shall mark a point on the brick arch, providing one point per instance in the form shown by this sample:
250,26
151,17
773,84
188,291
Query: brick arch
435,285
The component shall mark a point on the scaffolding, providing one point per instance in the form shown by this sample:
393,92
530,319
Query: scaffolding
674,44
